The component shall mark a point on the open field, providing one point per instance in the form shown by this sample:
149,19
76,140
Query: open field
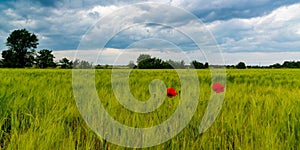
261,110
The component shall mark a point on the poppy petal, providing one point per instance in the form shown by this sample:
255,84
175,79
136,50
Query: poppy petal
218,87
171,92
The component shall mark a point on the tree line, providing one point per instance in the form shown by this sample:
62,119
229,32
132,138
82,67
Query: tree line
21,53
285,64
145,61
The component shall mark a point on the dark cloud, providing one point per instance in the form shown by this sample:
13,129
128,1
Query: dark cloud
136,34
236,9
47,3
43,3
60,24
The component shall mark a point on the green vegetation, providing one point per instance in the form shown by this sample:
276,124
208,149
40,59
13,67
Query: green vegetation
21,50
261,110
145,61
241,65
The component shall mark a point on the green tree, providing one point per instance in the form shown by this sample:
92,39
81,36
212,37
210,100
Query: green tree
154,63
241,65
291,64
175,64
45,59
82,64
142,57
21,44
65,63
182,64
131,64
98,66
277,65
197,65
8,59
206,65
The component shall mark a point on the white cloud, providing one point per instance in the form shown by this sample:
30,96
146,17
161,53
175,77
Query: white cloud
103,10
10,13
276,31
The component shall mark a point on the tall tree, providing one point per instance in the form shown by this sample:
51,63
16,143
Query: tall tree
21,44
8,59
131,64
82,64
45,59
65,63
143,57
1,63
206,65
174,64
197,65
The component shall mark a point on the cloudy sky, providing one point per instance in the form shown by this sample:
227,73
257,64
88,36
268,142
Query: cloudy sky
258,32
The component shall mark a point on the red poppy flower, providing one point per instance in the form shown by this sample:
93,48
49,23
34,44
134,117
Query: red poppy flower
218,87
171,92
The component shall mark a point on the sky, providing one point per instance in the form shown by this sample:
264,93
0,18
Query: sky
258,32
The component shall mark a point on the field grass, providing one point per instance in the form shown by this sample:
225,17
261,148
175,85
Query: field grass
261,110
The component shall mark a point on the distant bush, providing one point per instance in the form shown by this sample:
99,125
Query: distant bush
241,65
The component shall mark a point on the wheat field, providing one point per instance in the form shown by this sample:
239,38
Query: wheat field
261,110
